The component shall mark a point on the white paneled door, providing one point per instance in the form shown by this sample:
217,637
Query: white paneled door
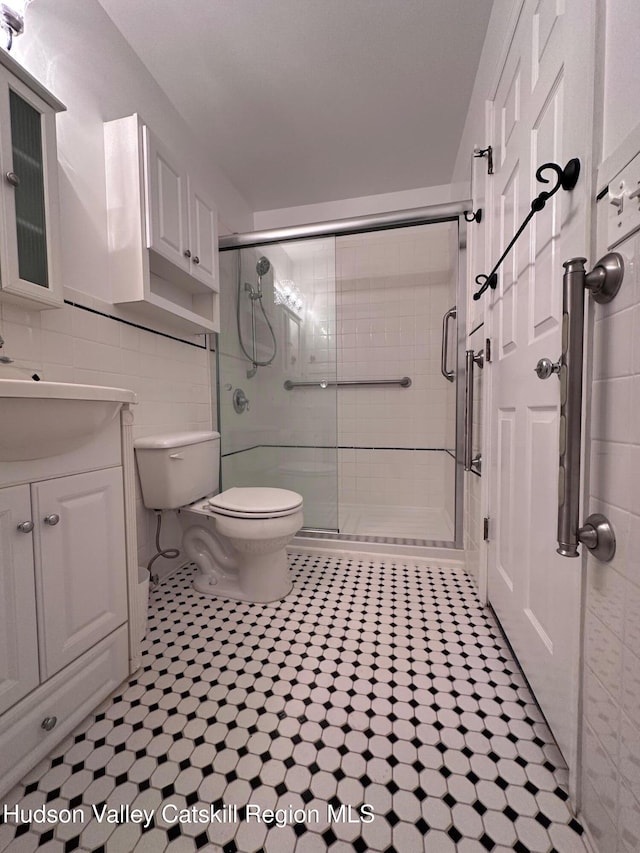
541,112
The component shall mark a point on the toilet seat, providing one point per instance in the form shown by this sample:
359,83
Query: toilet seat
255,502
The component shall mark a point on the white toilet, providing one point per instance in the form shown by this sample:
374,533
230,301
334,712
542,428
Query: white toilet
237,538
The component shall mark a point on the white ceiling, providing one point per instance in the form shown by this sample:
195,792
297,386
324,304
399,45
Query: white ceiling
305,101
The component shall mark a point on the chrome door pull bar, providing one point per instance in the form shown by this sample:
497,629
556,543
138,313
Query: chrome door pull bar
471,463
604,282
450,315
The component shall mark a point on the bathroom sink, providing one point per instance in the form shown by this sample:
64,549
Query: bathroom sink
39,419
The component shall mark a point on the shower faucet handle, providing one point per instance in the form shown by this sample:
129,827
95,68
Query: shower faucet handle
545,368
240,401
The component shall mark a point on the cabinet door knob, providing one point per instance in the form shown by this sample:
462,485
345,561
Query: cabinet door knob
52,519
187,253
48,723
25,526
196,259
13,179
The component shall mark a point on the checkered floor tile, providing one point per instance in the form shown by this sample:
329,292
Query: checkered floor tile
376,708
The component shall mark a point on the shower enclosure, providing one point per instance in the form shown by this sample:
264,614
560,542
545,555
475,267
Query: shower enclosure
335,343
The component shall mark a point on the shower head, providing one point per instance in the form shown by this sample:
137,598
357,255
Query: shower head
263,266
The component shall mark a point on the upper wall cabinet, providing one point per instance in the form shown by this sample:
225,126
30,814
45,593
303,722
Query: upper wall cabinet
30,218
162,232
181,225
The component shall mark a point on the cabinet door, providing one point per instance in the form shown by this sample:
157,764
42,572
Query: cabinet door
18,631
203,238
80,563
166,203
29,192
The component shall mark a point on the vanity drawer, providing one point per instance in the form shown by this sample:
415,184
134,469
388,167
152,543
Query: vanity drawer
69,696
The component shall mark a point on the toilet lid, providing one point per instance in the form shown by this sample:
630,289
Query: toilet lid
256,502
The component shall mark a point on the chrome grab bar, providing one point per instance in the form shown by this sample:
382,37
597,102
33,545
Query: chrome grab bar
471,463
450,315
405,382
604,282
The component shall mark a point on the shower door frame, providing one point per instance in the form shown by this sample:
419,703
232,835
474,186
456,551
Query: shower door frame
429,215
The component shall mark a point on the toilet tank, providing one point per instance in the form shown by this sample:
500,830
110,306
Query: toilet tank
177,468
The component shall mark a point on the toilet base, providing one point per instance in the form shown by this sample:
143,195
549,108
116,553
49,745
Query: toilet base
203,585
259,578
233,564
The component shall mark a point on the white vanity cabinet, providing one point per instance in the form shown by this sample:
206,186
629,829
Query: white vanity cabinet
162,229
68,579
63,573
29,218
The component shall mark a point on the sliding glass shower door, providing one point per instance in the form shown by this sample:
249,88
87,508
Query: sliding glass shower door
336,343
277,345
396,457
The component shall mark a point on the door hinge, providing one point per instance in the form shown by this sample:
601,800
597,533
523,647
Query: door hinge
487,349
485,529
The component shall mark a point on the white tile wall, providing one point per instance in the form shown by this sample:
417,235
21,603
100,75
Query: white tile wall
170,377
611,688
394,477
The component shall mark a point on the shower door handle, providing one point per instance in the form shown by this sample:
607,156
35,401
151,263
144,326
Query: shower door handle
471,463
603,281
450,315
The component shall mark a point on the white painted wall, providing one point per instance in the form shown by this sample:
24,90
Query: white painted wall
74,49
363,206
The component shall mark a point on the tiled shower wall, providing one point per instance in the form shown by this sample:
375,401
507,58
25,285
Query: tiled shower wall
611,685
170,377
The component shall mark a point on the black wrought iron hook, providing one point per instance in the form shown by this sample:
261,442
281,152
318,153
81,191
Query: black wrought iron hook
566,179
473,215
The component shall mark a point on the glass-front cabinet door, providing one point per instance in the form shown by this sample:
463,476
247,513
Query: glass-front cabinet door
29,264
